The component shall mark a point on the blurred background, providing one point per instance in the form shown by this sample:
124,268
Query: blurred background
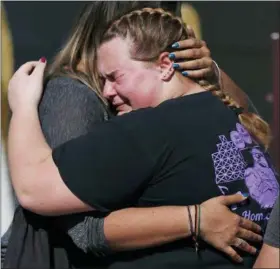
239,35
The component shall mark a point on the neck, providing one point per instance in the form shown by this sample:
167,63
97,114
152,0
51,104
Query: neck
178,86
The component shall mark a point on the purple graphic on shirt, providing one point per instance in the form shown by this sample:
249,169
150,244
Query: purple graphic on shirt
240,136
237,139
228,162
261,180
244,133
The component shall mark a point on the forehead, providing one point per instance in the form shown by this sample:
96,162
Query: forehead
113,55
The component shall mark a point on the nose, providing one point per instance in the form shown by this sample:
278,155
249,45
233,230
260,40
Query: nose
108,90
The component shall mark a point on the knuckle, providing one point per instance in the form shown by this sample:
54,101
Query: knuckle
199,63
207,52
206,71
237,219
208,62
198,53
198,43
235,231
235,256
192,42
188,53
244,245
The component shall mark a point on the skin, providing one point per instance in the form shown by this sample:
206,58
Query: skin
268,257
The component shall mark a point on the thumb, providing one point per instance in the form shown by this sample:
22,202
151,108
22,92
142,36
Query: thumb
40,68
234,198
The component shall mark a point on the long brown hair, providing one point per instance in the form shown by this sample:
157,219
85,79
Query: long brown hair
153,31
80,48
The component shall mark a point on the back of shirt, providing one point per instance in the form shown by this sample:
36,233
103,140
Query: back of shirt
200,151
183,152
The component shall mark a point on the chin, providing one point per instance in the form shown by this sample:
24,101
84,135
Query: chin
119,113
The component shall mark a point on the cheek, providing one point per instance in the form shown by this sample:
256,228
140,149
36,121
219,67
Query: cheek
145,89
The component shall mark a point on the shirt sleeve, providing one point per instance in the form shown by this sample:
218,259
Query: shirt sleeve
272,233
69,109
107,169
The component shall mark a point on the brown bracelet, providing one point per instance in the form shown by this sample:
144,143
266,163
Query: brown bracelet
192,228
190,220
195,238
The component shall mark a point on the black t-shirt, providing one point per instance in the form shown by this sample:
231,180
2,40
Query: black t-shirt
182,152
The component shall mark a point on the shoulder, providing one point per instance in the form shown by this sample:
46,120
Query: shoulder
68,86
68,92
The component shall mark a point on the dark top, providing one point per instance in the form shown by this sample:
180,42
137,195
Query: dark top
272,233
182,152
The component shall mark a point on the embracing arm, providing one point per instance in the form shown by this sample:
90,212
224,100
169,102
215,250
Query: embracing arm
66,112
230,87
40,188
198,63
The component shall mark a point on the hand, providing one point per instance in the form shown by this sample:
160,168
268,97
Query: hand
198,63
26,86
223,229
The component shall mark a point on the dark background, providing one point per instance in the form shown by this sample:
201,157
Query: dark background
237,33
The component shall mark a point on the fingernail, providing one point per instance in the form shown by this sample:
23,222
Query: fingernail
175,65
185,73
175,45
171,56
245,194
43,60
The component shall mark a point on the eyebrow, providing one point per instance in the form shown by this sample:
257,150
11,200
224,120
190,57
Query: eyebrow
108,74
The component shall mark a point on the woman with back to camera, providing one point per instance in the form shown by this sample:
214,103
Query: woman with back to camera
71,106
78,210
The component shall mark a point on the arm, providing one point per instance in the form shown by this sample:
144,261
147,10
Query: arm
60,123
198,63
269,255
230,87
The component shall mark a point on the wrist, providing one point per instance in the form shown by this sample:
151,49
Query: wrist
191,219
194,223
25,111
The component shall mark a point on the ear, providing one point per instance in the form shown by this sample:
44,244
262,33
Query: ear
166,66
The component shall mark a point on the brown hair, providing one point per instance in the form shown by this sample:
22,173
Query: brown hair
153,31
80,48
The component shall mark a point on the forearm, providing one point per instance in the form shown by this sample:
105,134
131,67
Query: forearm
268,257
230,87
135,228
27,148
